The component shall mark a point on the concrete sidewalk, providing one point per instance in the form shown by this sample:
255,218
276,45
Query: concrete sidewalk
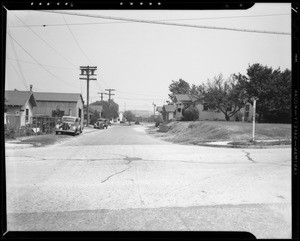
227,144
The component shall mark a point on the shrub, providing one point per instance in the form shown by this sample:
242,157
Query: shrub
238,116
158,120
191,114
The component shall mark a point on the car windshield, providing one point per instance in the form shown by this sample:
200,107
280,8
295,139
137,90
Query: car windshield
68,119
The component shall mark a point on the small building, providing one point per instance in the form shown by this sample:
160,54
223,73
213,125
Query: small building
206,113
159,109
19,107
181,101
168,112
121,117
58,104
92,110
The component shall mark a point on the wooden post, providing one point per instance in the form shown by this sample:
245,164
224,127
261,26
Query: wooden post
253,118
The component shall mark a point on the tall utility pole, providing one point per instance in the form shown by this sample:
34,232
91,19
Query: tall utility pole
154,105
88,71
101,95
109,94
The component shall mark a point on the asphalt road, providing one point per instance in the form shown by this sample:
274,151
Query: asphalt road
124,179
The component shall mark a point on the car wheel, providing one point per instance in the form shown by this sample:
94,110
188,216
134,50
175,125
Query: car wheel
56,132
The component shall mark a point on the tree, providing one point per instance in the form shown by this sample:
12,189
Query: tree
129,116
95,117
109,110
225,96
179,87
191,113
273,90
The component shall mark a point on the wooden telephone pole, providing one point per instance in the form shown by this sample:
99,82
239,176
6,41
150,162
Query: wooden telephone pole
154,105
101,95
109,94
88,71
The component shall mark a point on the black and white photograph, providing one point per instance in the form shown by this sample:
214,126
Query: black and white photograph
149,120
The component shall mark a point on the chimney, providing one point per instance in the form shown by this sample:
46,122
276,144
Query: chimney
30,88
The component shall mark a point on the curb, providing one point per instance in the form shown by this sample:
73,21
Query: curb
244,147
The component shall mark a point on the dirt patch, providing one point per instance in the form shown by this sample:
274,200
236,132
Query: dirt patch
43,140
239,133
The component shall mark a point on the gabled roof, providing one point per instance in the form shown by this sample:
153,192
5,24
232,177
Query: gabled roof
182,97
64,97
159,109
169,108
19,98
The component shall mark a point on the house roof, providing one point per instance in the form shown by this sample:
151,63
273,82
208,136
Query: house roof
19,98
63,97
169,108
159,108
182,97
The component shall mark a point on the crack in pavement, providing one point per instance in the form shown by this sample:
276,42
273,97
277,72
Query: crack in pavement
248,156
115,174
129,160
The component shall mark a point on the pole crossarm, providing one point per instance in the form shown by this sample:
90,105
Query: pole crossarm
88,71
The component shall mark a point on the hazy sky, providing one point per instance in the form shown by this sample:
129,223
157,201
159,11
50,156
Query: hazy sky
139,60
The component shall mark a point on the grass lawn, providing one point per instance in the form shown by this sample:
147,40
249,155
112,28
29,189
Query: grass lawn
203,131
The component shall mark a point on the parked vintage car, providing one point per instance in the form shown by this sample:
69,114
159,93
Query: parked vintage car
101,123
69,124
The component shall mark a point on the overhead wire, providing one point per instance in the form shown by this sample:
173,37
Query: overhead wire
76,40
29,62
178,19
39,62
18,63
44,41
142,94
167,23
16,71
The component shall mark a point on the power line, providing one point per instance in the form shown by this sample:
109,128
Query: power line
39,62
29,62
170,24
18,64
75,39
224,17
46,43
178,19
16,72
126,92
138,99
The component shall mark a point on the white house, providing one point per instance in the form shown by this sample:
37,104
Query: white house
205,113
168,112
19,105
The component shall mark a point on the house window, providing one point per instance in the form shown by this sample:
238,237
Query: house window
205,106
27,115
247,107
